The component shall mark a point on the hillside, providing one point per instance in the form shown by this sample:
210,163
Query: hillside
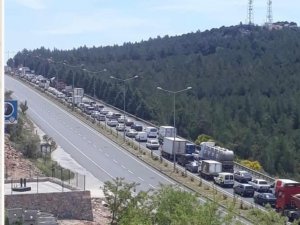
246,86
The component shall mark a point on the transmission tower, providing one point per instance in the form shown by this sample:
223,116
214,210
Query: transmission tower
269,13
250,12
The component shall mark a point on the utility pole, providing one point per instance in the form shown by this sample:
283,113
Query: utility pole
269,13
250,19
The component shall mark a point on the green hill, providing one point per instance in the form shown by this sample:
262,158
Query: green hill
246,86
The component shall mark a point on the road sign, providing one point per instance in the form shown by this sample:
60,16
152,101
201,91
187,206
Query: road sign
11,111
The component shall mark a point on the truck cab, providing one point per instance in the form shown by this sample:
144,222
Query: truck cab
224,179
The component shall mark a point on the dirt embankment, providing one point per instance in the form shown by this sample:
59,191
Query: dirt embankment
17,166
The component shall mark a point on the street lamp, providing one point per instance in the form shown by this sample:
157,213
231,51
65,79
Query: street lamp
75,67
51,61
124,82
174,122
94,72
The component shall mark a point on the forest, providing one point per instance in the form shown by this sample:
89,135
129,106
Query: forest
245,86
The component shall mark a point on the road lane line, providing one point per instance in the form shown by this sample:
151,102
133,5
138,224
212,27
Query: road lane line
98,134
115,161
123,166
141,179
130,171
67,140
152,186
107,154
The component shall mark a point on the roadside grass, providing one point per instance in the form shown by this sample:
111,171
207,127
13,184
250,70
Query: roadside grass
207,191
52,169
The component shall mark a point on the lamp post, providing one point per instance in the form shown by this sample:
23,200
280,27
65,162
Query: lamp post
174,122
75,67
51,61
124,101
94,72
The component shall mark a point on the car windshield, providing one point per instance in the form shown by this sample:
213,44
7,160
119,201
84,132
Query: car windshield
263,182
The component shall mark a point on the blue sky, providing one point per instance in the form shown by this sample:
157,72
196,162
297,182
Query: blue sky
68,24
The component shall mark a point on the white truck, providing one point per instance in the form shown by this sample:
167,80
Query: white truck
78,92
209,169
171,147
77,99
260,185
165,131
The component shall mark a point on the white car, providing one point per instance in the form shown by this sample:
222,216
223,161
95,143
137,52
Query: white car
112,123
152,144
120,127
121,119
141,136
131,133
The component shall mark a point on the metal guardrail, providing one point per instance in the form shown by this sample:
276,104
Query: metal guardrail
255,173
236,164
183,170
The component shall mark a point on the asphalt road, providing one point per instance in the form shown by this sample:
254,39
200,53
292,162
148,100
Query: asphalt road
100,156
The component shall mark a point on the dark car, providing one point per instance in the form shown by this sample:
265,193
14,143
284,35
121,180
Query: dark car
242,176
265,198
192,166
244,190
137,127
128,122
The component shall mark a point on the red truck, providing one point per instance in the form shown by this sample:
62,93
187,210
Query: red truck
288,200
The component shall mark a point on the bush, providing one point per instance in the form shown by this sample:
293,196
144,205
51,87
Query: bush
254,165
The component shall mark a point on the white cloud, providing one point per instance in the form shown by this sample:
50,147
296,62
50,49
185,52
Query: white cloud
33,4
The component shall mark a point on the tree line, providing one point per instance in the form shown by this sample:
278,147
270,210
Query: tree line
245,79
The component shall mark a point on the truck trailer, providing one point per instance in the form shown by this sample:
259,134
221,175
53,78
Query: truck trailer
209,151
173,146
165,131
208,169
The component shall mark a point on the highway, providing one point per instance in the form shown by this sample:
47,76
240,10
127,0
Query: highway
100,156
96,153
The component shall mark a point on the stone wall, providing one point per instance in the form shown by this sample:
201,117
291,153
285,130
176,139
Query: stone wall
63,205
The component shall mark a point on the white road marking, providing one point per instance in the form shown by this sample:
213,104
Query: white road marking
115,161
151,186
94,145
141,179
98,134
130,171
100,150
123,166
73,145
107,154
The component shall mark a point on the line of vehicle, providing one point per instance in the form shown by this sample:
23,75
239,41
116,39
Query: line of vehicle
256,173
67,140
107,139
